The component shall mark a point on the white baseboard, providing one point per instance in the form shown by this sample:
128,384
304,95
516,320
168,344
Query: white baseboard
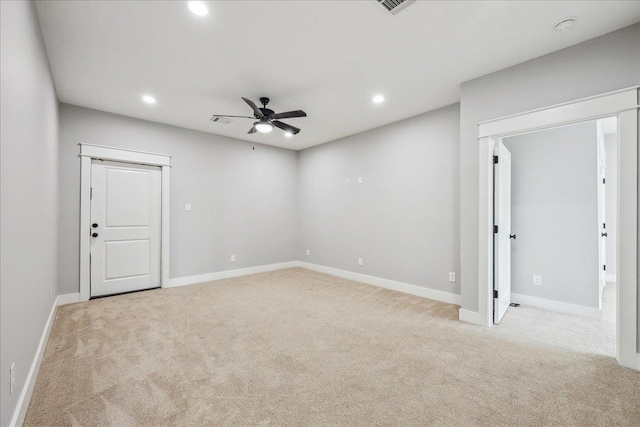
190,280
68,298
611,278
559,307
27,389
370,280
471,317
385,283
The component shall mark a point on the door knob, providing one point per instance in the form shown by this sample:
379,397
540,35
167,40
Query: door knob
512,236
603,234
94,235
94,225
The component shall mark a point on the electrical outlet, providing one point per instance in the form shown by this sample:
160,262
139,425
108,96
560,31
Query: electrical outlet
347,182
359,261
359,180
50,293
537,280
12,377
187,207
452,277
233,258
308,252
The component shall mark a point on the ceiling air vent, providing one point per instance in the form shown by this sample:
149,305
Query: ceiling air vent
221,120
395,6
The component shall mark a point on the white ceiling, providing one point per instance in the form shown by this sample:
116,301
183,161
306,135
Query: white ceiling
326,57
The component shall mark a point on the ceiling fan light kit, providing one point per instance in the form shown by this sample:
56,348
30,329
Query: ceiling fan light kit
268,119
263,126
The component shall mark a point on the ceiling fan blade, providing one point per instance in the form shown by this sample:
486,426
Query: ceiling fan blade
252,130
254,107
239,117
285,127
289,115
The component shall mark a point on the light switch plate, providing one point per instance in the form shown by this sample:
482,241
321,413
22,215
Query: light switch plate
233,258
359,180
347,181
537,280
452,277
188,207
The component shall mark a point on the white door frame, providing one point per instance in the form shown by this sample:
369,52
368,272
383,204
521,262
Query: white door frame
625,105
88,152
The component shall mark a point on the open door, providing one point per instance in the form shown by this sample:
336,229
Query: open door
502,232
602,221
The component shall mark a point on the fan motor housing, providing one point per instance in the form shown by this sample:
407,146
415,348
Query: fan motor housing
267,112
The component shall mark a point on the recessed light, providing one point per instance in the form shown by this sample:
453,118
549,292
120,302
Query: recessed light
198,8
565,24
149,99
378,99
288,134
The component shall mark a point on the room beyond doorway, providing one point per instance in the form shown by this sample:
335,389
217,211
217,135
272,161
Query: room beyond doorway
560,214
569,332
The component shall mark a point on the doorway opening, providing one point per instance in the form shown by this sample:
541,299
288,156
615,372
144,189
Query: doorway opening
554,206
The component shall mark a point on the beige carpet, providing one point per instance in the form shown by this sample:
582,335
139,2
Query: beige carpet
570,332
296,348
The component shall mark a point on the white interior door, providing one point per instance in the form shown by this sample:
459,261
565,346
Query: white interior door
125,227
502,239
602,218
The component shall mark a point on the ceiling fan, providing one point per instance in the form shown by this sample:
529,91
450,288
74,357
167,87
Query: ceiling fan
267,118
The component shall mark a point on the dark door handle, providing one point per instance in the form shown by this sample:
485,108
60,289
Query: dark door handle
512,236
94,235
94,225
604,234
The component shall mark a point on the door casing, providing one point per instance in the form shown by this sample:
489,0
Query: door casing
624,104
89,152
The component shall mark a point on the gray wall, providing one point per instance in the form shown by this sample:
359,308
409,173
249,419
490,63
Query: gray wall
596,66
243,200
611,200
554,213
403,219
28,195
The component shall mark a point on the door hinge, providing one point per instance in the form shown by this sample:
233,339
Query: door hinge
495,229
604,180
91,194
495,293
496,159
604,225
604,267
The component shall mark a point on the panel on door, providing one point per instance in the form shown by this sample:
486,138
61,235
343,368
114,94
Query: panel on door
125,227
502,239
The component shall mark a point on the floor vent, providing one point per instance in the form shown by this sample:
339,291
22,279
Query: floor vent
395,6
221,120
